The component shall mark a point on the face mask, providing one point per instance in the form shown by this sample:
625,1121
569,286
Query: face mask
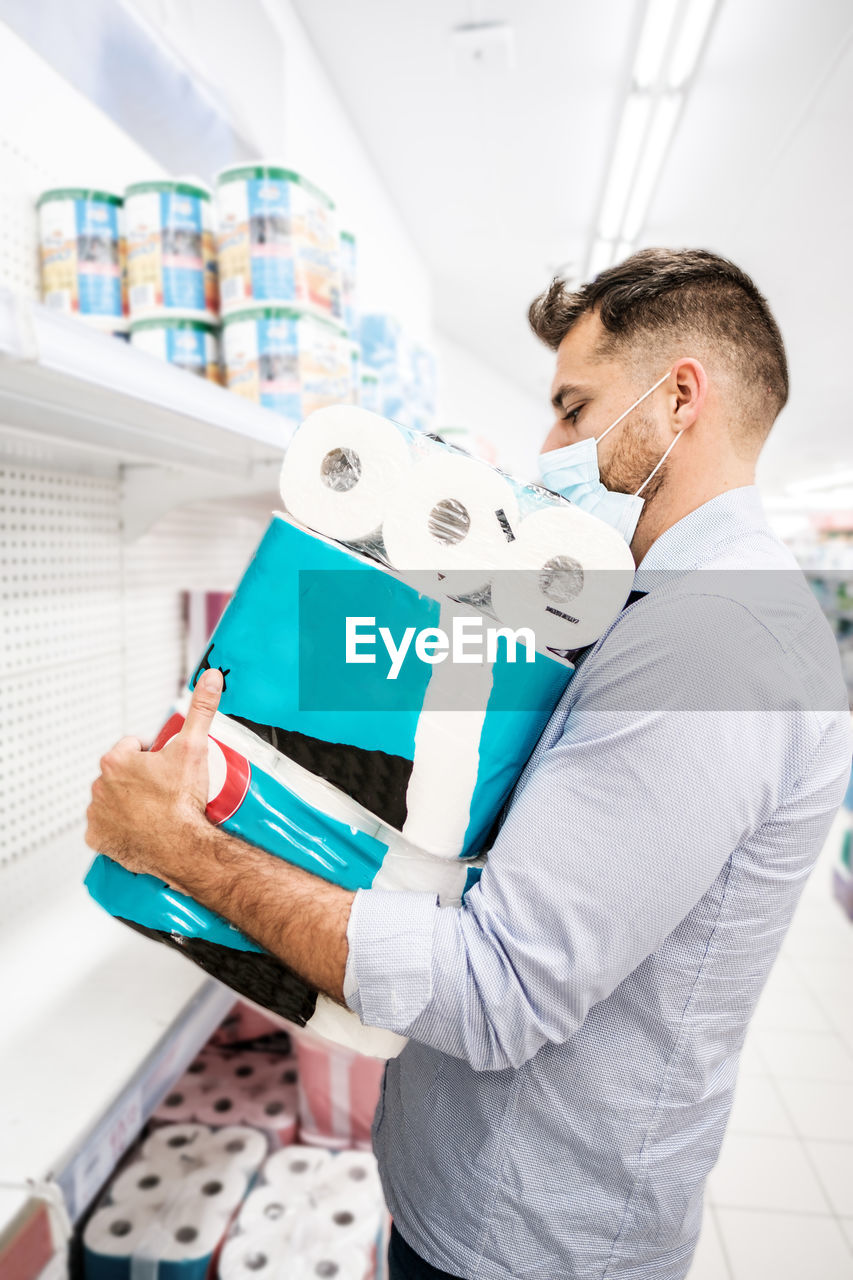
573,472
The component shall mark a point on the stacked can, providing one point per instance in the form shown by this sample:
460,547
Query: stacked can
287,359
172,274
81,238
277,241
280,280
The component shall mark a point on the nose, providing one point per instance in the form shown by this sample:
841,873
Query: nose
557,437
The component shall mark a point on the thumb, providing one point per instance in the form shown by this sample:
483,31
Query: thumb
202,708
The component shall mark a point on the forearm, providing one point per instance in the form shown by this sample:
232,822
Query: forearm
296,916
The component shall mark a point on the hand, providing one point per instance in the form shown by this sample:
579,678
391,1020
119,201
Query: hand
145,804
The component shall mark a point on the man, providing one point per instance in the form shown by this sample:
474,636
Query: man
575,1027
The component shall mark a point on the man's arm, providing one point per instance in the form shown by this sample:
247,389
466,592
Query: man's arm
147,812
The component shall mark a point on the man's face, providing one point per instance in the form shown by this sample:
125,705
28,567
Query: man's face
588,393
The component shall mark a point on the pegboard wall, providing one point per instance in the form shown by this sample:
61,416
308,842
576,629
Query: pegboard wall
93,645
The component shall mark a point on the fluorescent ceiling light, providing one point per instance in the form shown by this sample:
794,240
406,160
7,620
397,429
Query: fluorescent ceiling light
600,258
654,41
691,37
632,127
658,138
834,480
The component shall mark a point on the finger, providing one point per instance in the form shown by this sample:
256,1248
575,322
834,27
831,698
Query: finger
202,709
123,749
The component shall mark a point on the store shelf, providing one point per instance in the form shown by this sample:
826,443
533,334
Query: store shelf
98,1024
64,382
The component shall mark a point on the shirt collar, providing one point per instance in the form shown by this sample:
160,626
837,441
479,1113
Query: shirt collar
692,541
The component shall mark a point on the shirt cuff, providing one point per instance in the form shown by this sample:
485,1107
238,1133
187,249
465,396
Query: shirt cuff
388,977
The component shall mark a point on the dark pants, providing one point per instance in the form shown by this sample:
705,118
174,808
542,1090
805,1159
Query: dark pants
405,1264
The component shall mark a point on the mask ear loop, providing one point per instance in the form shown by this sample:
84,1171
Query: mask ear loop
644,396
660,464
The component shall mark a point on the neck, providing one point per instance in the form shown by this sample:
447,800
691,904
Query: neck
677,497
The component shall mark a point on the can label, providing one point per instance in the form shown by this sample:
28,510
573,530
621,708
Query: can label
188,346
276,245
171,259
289,364
81,257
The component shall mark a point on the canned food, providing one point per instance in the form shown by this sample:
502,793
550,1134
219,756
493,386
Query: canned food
181,340
287,359
80,237
171,255
277,240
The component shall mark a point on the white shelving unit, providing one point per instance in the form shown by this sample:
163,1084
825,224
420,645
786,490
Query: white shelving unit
84,395
98,1021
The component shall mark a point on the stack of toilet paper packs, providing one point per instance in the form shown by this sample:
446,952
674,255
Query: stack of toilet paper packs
397,643
314,1214
198,1202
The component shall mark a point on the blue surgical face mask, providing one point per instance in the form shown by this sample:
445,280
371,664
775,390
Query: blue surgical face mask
573,472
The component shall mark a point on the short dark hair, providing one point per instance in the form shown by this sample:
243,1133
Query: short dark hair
666,293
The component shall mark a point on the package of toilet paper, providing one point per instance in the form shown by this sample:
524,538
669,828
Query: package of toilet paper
313,1213
167,1211
390,658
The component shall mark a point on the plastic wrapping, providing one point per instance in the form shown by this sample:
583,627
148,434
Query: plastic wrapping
166,1211
338,1094
377,768
236,1089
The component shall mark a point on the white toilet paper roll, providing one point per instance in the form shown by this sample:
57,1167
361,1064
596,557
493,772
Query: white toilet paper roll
118,1230
184,1143
239,1146
295,1168
282,1072
256,1255
181,1103
247,1070
349,1172
341,470
342,1262
188,1231
267,1207
343,1219
217,1188
568,575
273,1114
222,1107
454,515
344,1027
146,1182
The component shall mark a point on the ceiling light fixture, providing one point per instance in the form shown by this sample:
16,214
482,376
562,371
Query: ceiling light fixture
672,38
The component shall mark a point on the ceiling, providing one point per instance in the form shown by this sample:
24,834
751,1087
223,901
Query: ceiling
498,174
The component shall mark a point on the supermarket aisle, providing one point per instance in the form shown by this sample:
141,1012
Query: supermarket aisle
780,1201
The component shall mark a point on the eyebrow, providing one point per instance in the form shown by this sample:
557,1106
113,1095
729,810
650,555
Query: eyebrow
566,391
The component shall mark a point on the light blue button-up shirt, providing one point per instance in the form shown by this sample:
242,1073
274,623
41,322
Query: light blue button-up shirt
576,1026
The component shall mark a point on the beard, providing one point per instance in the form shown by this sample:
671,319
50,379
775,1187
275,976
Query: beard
634,458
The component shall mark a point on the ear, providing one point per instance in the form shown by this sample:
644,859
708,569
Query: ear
688,386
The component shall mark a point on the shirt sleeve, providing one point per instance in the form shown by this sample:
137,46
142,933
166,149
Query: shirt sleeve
673,750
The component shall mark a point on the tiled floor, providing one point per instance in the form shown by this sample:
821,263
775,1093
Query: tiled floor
779,1204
